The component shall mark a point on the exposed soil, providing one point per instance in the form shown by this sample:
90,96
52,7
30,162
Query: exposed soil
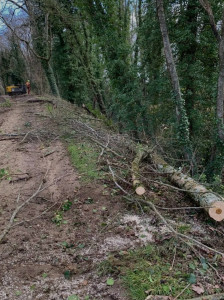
41,260
2,100
34,258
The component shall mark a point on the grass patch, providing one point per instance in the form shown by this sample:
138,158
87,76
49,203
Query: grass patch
184,228
6,104
84,158
148,271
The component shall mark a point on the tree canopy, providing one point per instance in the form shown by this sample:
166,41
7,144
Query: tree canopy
155,68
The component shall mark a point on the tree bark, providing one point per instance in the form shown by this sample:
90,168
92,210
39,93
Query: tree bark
139,18
51,78
180,103
212,203
187,57
220,95
169,56
206,5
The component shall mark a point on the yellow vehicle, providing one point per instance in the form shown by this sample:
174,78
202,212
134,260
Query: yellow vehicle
16,89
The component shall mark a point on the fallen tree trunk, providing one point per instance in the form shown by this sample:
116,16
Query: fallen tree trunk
140,155
211,202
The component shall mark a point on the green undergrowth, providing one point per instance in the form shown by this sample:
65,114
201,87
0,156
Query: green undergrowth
149,271
84,157
7,103
100,116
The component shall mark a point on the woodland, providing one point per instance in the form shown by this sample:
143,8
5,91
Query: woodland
154,68
143,80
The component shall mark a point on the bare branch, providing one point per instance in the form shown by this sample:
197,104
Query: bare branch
24,41
19,6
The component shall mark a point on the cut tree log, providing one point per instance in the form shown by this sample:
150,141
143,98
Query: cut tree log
211,202
141,154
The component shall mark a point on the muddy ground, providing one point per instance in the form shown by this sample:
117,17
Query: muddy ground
49,256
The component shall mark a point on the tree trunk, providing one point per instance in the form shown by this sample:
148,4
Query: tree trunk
220,96
212,203
139,18
187,57
51,78
141,153
180,103
220,38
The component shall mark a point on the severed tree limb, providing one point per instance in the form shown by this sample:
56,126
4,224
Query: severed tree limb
18,208
48,153
140,155
196,193
37,217
25,136
114,179
105,147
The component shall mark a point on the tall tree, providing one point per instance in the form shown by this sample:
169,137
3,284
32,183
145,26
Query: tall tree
40,20
180,102
39,39
220,90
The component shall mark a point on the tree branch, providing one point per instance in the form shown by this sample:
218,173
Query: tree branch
206,5
19,6
24,41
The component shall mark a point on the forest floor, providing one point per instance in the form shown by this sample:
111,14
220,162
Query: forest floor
76,237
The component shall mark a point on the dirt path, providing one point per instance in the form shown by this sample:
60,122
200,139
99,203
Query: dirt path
25,252
40,260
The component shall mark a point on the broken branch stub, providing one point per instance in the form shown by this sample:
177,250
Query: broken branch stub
211,202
